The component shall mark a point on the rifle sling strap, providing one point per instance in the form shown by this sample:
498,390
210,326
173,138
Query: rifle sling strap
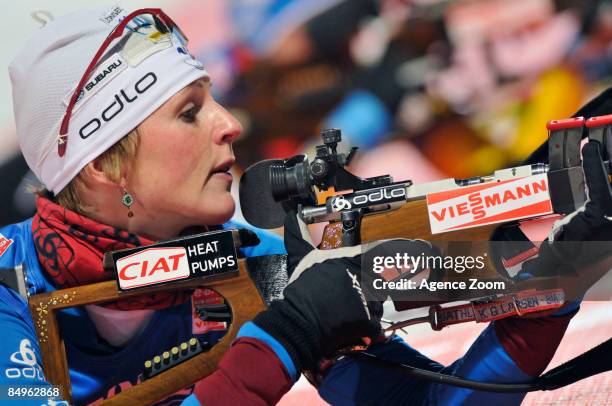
592,362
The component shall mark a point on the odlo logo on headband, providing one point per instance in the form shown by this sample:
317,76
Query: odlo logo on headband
121,100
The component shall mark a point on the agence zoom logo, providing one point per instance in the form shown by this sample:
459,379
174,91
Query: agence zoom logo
120,100
381,196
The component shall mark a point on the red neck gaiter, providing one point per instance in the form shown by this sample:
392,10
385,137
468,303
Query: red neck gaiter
70,248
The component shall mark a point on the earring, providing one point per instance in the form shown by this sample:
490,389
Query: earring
127,201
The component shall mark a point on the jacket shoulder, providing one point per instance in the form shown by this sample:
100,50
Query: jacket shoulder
15,240
17,250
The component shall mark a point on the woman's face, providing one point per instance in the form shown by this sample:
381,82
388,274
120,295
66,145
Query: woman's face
181,176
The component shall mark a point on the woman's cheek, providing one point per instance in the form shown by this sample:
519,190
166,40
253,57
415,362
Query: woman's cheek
220,201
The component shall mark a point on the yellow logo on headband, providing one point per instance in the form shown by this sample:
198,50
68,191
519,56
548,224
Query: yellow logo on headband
156,36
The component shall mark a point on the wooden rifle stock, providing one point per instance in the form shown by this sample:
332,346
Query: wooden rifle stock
239,291
411,221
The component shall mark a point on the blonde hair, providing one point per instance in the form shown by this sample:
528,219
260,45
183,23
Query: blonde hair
111,163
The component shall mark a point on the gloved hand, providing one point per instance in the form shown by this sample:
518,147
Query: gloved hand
585,236
324,308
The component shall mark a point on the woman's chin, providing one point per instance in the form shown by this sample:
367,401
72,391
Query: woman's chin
221,212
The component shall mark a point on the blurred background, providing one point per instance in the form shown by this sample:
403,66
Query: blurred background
426,89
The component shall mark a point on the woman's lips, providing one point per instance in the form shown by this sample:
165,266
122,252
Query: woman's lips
224,176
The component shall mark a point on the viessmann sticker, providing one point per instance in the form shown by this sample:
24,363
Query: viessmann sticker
488,203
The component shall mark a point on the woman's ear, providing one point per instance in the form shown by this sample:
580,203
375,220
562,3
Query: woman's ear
94,177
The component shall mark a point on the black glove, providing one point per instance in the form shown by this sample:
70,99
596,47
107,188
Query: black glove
585,236
324,308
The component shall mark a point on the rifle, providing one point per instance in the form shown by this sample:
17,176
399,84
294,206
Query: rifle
379,209
447,213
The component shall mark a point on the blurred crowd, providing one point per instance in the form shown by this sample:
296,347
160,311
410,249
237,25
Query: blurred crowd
425,88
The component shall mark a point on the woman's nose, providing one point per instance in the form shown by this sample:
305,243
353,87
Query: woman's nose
230,129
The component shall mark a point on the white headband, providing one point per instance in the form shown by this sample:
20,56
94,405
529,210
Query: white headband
122,92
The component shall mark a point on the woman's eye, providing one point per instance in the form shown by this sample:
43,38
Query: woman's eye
189,115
